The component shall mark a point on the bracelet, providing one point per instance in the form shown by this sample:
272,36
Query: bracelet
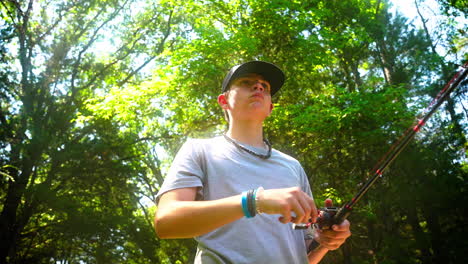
251,202
245,206
258,192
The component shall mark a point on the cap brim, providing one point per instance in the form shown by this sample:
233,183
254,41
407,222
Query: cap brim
269,71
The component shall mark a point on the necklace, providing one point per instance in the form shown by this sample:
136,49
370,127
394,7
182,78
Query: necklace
239,146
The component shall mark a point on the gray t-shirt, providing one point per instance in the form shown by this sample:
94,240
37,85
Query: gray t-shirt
221,170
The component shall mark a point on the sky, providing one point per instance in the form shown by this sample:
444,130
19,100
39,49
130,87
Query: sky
430,11
408,9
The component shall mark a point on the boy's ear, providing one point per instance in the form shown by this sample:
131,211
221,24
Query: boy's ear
271,109
222,101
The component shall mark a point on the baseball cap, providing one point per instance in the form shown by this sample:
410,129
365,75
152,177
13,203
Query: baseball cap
269,71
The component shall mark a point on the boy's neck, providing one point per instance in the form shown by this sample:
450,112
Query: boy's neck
247,133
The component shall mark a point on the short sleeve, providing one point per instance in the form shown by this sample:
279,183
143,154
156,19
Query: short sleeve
186,170
305,185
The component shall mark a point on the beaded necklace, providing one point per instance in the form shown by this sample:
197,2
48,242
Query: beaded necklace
239,146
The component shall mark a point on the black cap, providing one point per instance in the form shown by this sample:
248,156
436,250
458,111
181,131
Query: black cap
269,71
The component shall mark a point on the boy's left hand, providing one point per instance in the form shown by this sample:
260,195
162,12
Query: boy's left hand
333,238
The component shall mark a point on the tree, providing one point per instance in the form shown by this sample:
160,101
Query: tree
70,184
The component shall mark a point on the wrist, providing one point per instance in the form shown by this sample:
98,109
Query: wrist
259,200
250,202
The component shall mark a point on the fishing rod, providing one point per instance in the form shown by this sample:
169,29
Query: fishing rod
330,216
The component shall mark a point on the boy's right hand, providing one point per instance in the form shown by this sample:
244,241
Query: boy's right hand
288,200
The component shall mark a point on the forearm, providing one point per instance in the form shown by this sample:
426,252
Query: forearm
317,254
186,219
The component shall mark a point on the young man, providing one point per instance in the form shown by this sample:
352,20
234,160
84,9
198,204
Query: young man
236,195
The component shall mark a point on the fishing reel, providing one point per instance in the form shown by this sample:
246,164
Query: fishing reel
325,219
328,216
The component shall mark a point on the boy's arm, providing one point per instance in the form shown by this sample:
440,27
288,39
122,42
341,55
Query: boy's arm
317,254
180,216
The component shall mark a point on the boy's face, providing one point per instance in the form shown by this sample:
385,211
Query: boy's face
248,98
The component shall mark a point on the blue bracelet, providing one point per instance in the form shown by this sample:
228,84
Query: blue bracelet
245,207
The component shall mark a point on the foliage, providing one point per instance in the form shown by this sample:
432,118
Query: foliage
97,97
72,191
451,7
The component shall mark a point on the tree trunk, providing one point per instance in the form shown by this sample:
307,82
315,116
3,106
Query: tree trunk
24,154
10,227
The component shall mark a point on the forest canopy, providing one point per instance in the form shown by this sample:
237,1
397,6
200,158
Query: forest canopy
96,98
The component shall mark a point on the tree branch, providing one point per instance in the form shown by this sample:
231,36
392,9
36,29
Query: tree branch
91,41
55,24
148,218
160,50
426,30
10,14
